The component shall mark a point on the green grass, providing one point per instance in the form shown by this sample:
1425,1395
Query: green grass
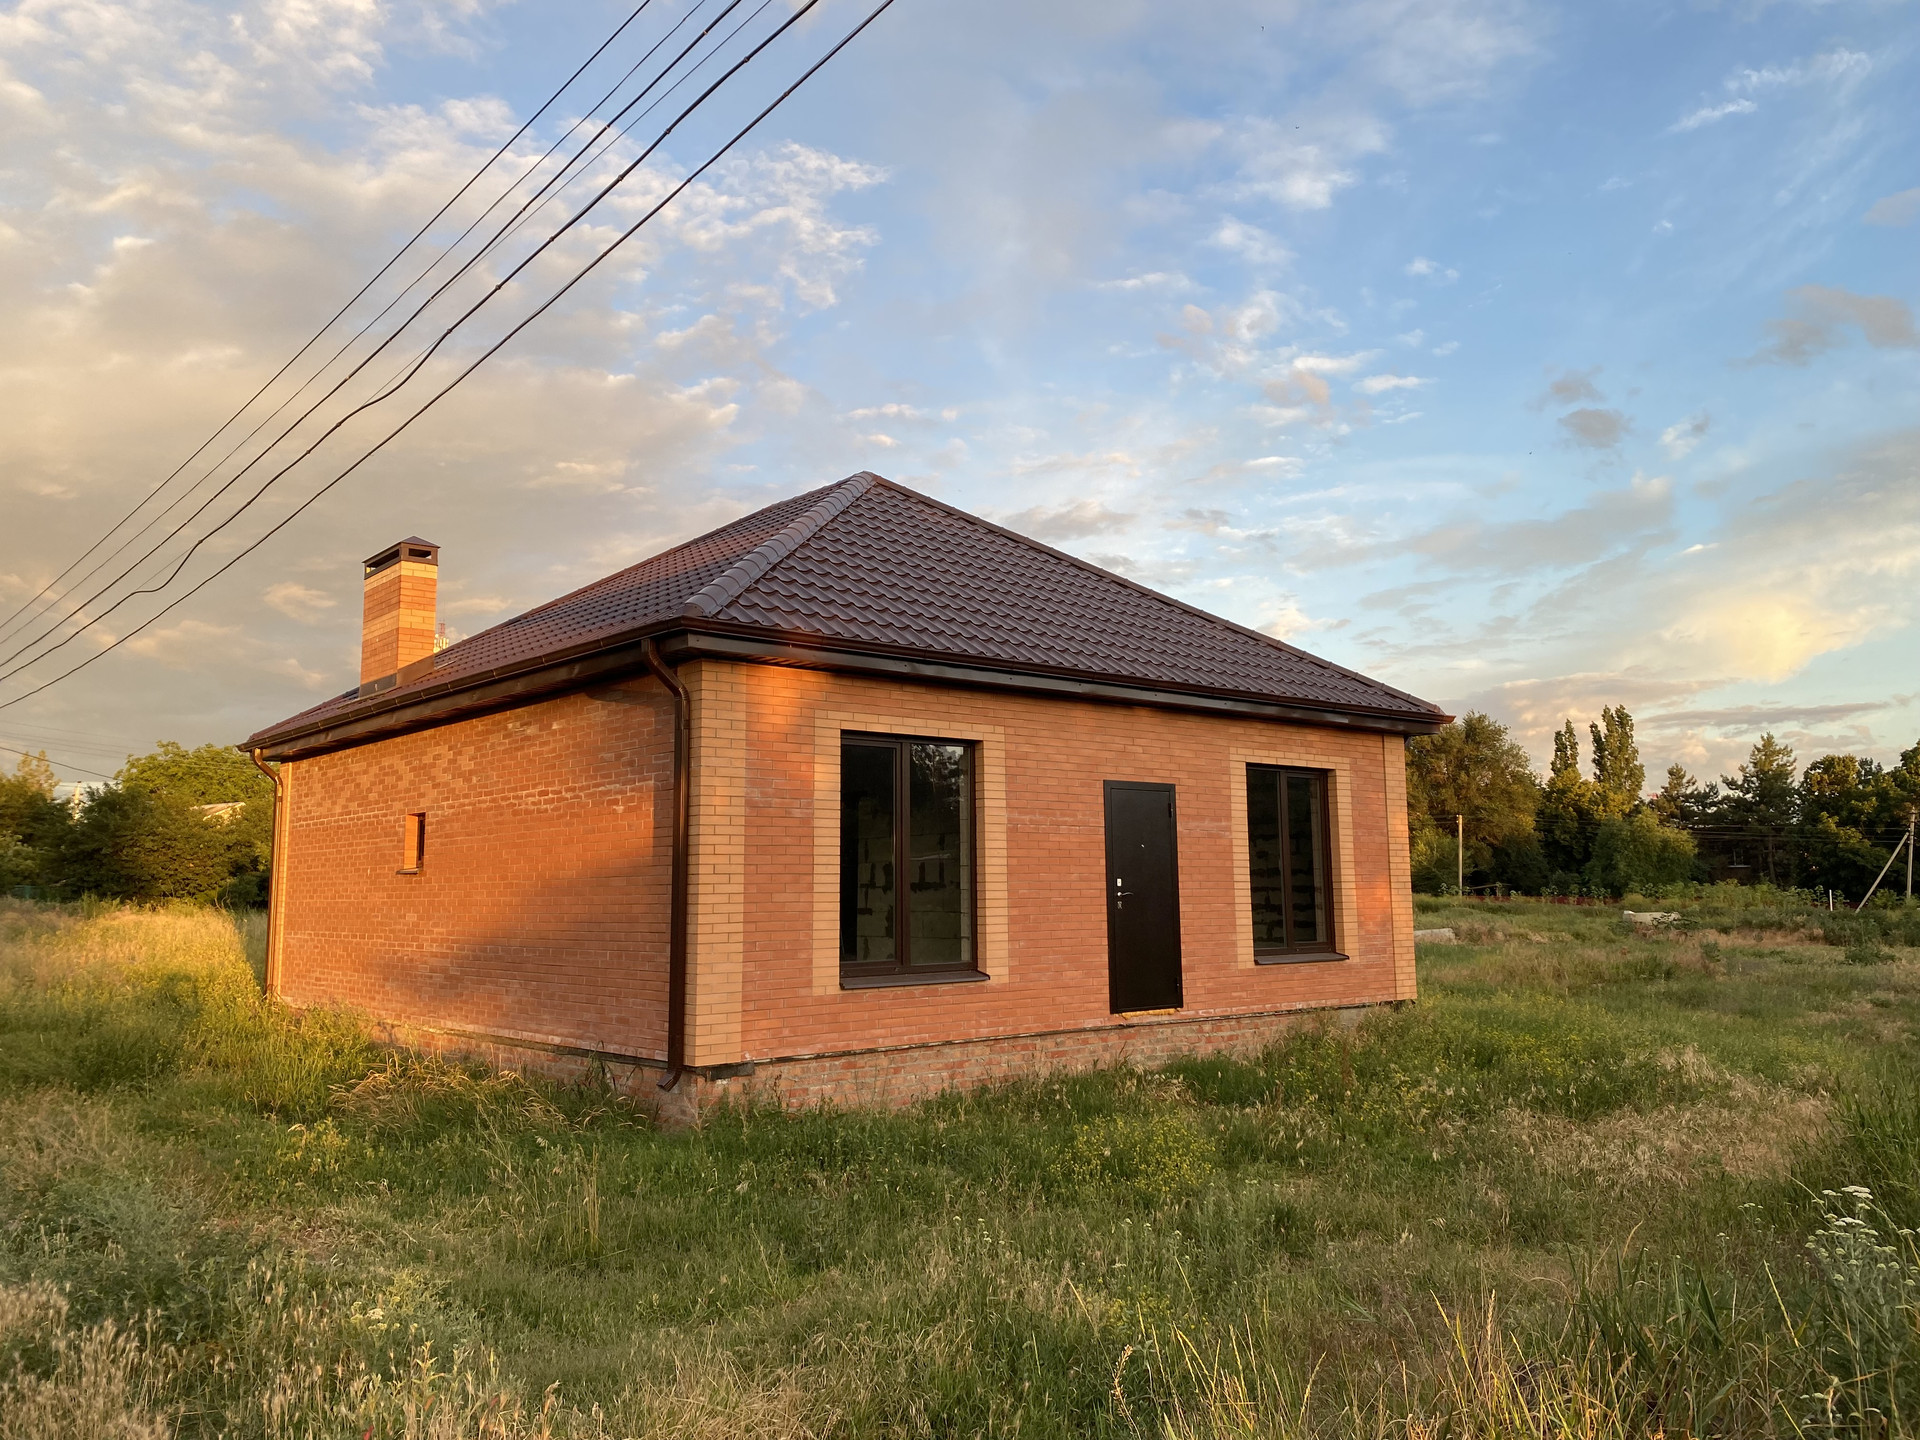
1580,1189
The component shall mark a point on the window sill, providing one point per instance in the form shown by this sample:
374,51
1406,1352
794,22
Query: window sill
414,871
929,977
1311,957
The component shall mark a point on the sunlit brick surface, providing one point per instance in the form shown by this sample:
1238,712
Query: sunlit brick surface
541,910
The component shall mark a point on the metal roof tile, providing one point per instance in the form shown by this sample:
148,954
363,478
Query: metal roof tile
872,563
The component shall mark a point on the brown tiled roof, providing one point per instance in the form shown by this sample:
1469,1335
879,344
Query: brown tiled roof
871,566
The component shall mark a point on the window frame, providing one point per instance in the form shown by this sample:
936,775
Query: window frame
1267,953
880,974
413,843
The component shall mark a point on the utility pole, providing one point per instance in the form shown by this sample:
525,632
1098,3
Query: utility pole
1906,840
1460,852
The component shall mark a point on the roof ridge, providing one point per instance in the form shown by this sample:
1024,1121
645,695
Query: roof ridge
713,597
1272,641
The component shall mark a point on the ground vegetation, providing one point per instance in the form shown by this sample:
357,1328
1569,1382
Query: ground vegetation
1601,1180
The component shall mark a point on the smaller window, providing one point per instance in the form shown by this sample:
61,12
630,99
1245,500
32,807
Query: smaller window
1288,861
413,852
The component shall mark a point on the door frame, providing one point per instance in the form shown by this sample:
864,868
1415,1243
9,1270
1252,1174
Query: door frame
1107,788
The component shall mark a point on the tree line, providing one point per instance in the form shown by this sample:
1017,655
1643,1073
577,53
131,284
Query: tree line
176,824
197,824
1831,827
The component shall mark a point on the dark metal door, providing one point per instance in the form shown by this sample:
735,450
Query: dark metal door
1143,898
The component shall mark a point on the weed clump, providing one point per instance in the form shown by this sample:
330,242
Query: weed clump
1153,1159
1867,953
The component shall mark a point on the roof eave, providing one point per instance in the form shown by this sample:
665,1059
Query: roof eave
612,657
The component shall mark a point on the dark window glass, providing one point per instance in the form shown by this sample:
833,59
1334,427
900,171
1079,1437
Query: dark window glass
867,853
1306,876
1267,857
906,824
939,857
1287,861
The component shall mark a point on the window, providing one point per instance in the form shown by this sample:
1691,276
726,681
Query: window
906,860
413,843
1288,860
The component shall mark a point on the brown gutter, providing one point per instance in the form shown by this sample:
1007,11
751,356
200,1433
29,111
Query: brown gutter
509,685
682,830
273,875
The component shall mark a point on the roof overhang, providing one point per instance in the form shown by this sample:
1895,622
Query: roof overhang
392,714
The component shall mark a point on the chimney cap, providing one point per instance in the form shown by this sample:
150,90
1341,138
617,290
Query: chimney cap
424,552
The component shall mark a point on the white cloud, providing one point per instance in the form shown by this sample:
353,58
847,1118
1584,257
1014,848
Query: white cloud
1840,68
298,602
1152,280
1712,114
1304,165
1251,243
1680,439
1422,268
1381,384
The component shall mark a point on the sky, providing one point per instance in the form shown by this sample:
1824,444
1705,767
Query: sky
1530,357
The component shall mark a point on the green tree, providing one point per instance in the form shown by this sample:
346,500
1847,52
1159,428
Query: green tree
1851,812
1684,802
131,844
32,822
1616,757
176,824
1573,808
1763,802
210,775
1636,855
1471,768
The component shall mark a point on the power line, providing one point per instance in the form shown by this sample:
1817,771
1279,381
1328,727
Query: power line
580,275
407,370
64,765
348,344
315,338
419,310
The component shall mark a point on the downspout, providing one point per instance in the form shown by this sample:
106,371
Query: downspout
682,830
274,863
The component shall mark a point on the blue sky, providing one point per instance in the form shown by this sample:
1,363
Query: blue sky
1531,357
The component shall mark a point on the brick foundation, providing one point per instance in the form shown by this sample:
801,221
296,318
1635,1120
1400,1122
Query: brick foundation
885,1079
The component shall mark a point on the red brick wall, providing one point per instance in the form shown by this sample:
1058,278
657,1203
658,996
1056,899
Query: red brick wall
1051,972
541,910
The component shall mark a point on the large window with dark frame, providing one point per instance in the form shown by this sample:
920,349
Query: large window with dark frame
1288,860
906,859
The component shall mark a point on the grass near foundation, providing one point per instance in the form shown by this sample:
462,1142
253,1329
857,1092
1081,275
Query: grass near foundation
1594,1184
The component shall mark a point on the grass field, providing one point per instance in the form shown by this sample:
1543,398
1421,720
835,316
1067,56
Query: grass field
1596,1183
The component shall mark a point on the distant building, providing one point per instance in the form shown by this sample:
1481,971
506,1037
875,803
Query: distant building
952,806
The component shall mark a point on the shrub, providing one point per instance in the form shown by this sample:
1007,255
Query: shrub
1637,855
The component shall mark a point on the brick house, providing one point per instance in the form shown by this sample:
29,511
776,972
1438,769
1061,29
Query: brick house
859,797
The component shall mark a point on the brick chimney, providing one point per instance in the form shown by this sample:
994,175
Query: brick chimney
402,585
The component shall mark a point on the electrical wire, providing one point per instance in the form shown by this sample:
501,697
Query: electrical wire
64,765
580,275
334,319
348,344
351,374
